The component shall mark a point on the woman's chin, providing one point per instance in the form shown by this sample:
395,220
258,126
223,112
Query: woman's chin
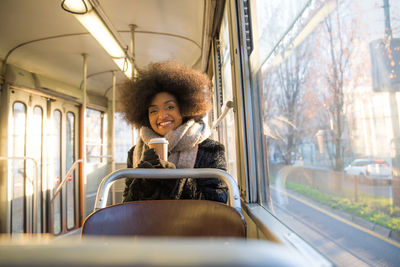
163,131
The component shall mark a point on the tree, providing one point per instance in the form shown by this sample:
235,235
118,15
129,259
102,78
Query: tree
283,117
291,76
334,40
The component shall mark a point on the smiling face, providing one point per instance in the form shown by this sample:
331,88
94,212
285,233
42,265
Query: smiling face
164,114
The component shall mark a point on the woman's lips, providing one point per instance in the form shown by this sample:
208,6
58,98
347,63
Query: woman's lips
165,123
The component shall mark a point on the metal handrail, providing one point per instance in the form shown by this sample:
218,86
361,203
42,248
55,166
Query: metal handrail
100,156
64,180
73,167
58,190
34,183
104,187
225,109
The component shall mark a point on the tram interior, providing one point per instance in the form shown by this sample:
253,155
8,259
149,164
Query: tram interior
59,101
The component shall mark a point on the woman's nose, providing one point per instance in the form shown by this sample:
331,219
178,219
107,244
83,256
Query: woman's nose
162,113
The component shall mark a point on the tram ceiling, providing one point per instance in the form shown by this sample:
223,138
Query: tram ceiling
40,37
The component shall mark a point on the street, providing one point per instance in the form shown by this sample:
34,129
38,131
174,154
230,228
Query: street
342,241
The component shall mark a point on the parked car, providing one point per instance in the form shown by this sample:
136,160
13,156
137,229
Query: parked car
375,169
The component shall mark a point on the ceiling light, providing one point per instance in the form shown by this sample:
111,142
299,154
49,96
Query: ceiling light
76,6
99,30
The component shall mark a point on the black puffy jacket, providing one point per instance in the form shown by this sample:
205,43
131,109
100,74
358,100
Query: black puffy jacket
210,154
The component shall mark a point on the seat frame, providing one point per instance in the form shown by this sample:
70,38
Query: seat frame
166,218
189,218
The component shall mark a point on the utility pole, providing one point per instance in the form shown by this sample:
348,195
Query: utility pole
395,118
388,28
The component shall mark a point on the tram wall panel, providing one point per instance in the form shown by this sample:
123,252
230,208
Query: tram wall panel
252,231
42,84
4,193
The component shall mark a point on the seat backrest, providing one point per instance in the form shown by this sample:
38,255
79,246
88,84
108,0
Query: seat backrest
162,218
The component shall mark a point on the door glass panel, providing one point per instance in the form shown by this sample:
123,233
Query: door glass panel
70,158
18,168
56,177
37,146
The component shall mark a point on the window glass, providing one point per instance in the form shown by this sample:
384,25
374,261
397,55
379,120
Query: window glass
37,148
228,123
329,79
56,176
18,168
271,20
213,115
94,133
123,138
70,158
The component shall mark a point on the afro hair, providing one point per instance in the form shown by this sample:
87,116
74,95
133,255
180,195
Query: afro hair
190,87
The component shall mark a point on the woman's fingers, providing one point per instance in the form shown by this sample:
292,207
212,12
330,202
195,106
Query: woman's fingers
166,164
145,164
151,156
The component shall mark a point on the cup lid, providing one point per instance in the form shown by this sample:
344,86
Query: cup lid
160,140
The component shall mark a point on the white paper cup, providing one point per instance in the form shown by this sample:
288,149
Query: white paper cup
161,147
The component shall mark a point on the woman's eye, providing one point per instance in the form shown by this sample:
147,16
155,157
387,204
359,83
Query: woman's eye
153,111
171,107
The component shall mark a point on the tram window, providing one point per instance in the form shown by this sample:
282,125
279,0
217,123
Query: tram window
37,153
123,138
271,19
55,155
321,112
94,133
227,95
18,168
70,158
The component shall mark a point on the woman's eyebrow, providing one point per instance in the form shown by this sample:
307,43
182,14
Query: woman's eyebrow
171,100
166,102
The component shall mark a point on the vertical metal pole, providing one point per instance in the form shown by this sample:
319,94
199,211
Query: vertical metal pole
83,138
114,82
133,28
134,74
35,195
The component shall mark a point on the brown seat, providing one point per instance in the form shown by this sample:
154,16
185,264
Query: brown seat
174,218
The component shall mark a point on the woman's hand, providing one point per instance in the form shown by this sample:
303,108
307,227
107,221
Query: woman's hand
152,160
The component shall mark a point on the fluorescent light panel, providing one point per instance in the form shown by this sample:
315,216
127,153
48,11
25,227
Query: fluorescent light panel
94,24
100,32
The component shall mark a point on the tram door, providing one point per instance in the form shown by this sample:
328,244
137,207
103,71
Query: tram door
27,177
46,133
63,151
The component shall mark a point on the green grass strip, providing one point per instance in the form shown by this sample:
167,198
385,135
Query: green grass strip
377,210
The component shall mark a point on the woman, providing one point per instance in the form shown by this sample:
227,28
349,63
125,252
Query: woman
169,100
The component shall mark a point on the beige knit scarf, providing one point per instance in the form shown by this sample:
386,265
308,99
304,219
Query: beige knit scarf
183,143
